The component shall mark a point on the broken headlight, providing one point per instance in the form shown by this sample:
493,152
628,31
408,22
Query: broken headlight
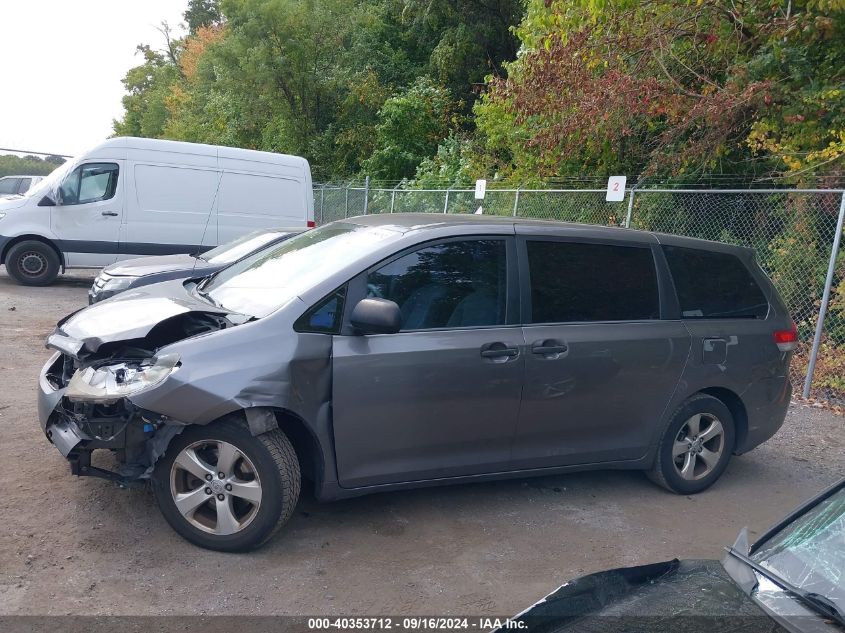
112,382
117,284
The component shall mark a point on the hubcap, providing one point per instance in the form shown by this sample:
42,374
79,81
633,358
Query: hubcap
32,264
698,446
215,487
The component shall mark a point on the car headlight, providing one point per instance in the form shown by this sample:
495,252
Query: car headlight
117,284
112,382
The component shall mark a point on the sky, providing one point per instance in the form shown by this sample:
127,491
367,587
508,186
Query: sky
63,61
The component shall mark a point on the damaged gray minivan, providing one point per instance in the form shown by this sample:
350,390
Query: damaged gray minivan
395,351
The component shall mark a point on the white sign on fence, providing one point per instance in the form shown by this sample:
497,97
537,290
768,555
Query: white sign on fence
480,189
616,188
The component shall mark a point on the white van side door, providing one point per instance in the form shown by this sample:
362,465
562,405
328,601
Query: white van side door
249,201
168,209
86,219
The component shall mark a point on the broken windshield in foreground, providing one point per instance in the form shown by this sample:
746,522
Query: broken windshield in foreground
810,551
263,282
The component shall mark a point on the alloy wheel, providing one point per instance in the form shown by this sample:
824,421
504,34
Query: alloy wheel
698,446
215,487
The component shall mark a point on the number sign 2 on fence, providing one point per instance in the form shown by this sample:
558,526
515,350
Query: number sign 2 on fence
616,188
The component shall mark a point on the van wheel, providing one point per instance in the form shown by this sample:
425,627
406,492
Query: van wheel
696,447
224,489
32,263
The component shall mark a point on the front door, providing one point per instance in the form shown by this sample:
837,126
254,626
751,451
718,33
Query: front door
87,217
441,397
600,364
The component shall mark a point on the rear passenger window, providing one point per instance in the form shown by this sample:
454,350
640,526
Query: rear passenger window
575,281
714,285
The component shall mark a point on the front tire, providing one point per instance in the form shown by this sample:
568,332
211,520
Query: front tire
32,263
696,446
224,489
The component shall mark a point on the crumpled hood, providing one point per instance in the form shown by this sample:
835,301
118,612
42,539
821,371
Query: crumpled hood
130,315
143,266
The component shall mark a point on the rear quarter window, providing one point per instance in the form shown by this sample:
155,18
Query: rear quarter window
712,285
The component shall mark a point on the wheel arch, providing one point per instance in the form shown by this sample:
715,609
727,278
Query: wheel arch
737,408
33,237
309,450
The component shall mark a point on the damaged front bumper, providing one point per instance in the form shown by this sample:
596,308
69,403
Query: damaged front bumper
135,436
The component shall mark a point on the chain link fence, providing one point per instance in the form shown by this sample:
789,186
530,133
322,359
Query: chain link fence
795,232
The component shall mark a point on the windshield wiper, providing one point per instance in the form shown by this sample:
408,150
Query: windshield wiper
822,605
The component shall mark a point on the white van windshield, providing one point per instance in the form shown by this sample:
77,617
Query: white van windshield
265,281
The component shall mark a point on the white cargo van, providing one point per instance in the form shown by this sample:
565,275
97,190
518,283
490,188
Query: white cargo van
135,196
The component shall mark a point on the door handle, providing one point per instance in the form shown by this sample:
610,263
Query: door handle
499,350
549,348
111,213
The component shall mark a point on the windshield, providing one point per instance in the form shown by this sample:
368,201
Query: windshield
50,182
263,282
241,247
810,551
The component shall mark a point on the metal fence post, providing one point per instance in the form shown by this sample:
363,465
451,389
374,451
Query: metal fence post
366,194
831,269
516,202
392,198
322,202
446,204
630,209
346,205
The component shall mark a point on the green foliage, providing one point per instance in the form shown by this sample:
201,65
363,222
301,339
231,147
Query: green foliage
411,125
672,90
312,77
202,13
452,166
148,86
28,165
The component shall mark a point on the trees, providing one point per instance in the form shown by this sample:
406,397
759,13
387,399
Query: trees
28,165
411,125
671,89
746,89
311,77
202,13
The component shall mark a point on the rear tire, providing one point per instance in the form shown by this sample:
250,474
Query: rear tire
240,510
696,446
32,263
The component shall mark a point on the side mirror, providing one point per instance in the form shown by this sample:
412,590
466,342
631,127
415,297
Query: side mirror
376,316
47,201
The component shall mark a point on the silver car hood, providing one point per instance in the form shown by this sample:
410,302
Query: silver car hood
143,266
7,203
130,315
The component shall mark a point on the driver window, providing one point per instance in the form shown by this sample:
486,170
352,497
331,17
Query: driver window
448,285
91,182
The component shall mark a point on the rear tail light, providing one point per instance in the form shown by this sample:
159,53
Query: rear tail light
310,224
786,340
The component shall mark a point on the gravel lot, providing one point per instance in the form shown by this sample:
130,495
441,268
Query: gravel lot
85,546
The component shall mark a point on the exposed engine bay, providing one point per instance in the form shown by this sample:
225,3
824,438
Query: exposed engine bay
97,377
